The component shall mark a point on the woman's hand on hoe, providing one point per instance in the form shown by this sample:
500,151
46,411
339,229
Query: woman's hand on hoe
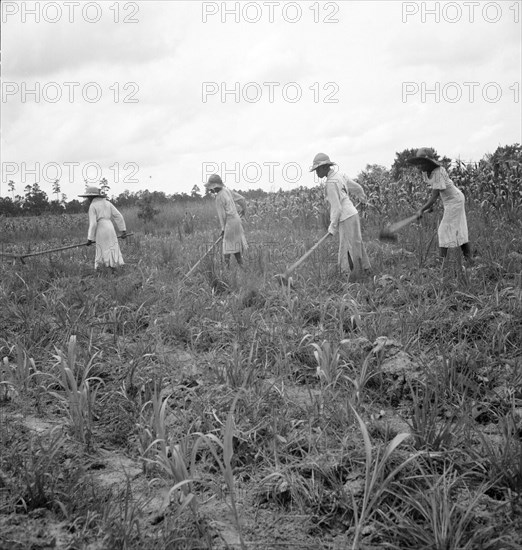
89,242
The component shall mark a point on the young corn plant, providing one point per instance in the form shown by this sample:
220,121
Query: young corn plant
236,373
503,460
120,519
365,375
376,482
434,514
329,370
151,426
155,443
39,471
432,431
225,465
17,375
79,392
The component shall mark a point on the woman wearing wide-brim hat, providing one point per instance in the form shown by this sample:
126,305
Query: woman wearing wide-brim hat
453,229
234,240
344,217
102,217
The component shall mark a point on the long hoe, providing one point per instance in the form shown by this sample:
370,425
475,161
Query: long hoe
21,257
389,233
193,268
283,277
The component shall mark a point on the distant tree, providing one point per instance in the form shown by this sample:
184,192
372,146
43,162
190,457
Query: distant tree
401,166
505,158
74,207
104,186
9,207
11,187
196,192
146,210
36,201
56,190
55,207
400,163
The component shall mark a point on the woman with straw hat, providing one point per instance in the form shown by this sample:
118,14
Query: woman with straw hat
344,217
453,229
234,241
102,215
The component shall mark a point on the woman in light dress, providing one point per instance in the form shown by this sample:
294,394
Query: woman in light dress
453,229
102,217
344,217
227,203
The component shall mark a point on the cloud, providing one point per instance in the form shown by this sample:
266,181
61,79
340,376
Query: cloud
41,50
361,62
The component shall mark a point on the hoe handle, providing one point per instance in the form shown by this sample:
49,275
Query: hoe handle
399,225
22,256
201,259
305,255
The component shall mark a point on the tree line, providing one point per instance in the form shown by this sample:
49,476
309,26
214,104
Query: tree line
35,201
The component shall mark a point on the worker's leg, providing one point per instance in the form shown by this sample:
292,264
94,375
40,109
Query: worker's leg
357,250
343,258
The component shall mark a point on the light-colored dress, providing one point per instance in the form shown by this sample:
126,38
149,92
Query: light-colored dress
344,219
234,238
453,229
102,214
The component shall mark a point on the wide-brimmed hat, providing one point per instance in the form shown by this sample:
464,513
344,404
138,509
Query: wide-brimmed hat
424,154
214,181
320,160
92,191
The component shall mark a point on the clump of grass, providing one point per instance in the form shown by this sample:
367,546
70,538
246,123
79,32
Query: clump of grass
79,391
19,373
376,480
437,511
39,469
225,465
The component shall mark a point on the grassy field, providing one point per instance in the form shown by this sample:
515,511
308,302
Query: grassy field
230,412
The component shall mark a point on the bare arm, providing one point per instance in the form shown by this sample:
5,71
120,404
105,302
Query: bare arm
431,201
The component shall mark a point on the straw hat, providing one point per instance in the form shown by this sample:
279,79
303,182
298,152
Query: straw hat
319,160
424,154
92,191
214,181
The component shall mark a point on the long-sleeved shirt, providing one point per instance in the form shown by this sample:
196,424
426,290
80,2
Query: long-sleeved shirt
101,209
337,189
241,204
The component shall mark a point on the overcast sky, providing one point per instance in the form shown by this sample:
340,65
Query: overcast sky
143,93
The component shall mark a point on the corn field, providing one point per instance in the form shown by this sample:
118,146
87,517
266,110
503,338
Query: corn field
229,411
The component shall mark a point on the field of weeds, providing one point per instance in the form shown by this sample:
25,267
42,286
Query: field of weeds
231,412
